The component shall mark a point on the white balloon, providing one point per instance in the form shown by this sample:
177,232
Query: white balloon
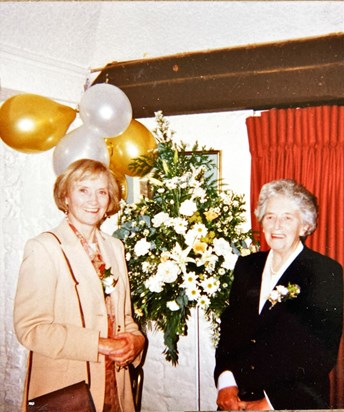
106,107
81,143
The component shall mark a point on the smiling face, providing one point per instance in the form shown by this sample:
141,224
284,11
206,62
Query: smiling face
87,202
282,225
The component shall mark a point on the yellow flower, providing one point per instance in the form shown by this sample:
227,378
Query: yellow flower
245,251
139,312
164,256
210,215
199,247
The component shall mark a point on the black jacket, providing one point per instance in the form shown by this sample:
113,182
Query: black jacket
287,350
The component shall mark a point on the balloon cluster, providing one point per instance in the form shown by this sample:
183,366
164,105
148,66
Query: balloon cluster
31,124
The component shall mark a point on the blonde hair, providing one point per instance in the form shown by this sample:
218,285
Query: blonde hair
85,169
304,199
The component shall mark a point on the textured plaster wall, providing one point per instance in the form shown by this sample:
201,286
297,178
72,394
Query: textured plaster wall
47,48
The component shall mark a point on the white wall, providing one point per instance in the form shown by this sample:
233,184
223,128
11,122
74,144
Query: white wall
47,48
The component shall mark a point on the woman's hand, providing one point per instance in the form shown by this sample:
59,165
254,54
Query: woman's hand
259,405
131,346
123,348
227,399
108,345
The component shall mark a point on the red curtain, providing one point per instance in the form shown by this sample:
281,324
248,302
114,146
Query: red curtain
305,144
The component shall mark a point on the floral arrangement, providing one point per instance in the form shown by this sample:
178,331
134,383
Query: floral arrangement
183,241
108,280
282,293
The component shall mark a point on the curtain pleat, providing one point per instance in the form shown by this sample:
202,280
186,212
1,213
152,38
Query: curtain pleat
305,144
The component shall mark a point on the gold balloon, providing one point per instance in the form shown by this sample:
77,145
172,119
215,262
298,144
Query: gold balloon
122,183
136,141
30,123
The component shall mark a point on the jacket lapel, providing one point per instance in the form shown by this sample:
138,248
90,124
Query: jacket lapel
106,249
108,252
256,280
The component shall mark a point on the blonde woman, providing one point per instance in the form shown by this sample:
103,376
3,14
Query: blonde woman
46,311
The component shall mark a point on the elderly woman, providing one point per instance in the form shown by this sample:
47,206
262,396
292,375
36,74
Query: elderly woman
76,271
280,334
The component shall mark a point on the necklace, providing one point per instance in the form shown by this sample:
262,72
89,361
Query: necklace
273,272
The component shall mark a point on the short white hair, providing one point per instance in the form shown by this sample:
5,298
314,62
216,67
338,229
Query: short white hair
303,198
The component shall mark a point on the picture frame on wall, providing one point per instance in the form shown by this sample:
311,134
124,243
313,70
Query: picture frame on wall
215,156
141,186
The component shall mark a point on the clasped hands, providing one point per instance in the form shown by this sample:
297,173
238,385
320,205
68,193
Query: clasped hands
122,348
228,399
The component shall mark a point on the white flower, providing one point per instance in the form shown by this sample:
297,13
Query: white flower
160,218
188,208
168,271
183,184
154,284
199,193
179,225
197,175
108,280
282,293
208,260
109,284
172,183
173,305
190,237
230,261
282,290
142,247
190,278
180,256
198,230
222,247
225,198
203,302
275,296
210,285
192,292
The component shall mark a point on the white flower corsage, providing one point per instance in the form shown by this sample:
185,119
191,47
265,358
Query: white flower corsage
282,293
108,281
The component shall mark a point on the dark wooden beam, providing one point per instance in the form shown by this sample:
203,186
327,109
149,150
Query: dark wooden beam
282,74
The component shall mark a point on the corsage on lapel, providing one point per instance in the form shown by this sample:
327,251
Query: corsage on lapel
108,280
282,293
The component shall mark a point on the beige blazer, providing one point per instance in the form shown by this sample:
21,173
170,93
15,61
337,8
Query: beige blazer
47,317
